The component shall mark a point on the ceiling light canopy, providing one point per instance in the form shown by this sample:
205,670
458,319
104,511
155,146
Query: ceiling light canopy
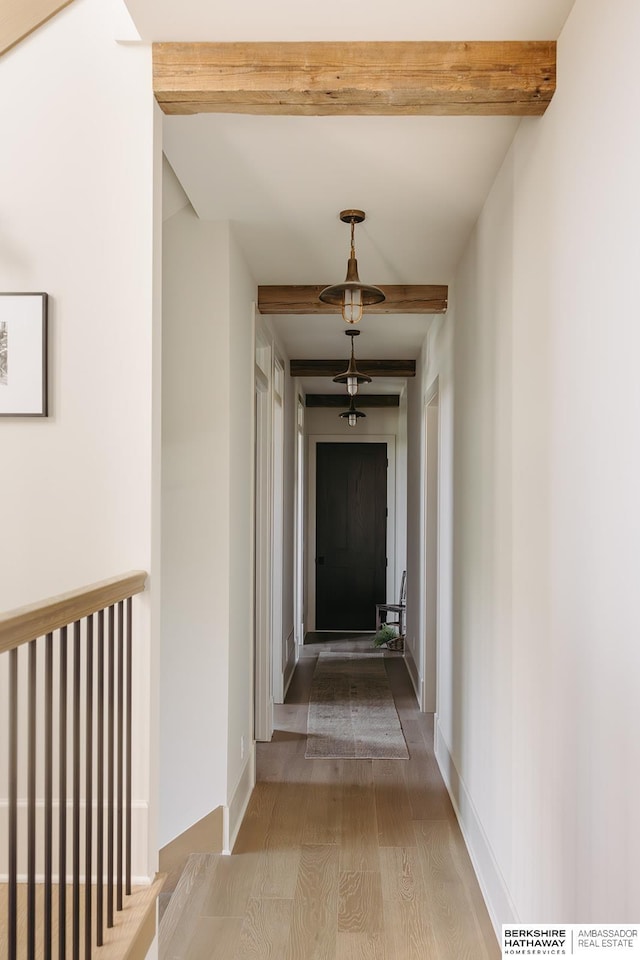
352,415
352,377
352,296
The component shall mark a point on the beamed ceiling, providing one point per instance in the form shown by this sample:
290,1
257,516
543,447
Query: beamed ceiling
411,78
280,115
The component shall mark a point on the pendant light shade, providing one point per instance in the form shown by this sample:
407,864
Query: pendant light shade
352,296
352,377
352,415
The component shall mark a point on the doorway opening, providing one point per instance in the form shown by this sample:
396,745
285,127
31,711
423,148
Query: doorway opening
351,531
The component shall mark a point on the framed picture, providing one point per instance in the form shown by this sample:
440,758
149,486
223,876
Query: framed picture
23,354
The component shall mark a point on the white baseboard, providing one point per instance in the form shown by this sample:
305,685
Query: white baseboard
492,884
291,664
203,836
237,808
412,670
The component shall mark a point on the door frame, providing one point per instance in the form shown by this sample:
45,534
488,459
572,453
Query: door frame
278,644
262,587
431,550
314,440
299,526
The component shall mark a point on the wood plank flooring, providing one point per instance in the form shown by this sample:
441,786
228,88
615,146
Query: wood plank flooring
129,938
336,859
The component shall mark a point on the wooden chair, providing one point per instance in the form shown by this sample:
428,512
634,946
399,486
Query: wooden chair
399,608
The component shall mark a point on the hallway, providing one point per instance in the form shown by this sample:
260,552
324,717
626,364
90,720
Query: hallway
337,860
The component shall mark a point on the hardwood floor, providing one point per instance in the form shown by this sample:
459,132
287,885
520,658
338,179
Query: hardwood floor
336,859
128,939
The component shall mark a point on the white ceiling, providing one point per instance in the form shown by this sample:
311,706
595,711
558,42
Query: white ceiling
349,19
382,336
283,180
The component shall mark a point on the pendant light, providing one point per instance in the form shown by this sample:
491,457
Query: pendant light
352,377
352,295
352,415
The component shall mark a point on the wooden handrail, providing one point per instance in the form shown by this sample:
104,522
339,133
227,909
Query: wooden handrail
19,18
37,619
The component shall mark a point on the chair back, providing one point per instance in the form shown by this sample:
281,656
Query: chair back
403,588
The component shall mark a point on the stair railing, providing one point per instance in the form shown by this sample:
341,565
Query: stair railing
68,733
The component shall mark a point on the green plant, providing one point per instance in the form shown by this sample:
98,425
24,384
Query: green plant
384,635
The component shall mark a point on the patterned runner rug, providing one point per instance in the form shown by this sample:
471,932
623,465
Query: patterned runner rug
352,714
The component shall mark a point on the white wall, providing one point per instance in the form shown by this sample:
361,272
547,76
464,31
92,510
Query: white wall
77,223
413,646
326,421
427,667
206,692
291,391
539,667
195,521
240,518
79,487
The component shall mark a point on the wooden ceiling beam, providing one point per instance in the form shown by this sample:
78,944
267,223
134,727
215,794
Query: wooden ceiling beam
373,368
405,298
439,78
334,400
